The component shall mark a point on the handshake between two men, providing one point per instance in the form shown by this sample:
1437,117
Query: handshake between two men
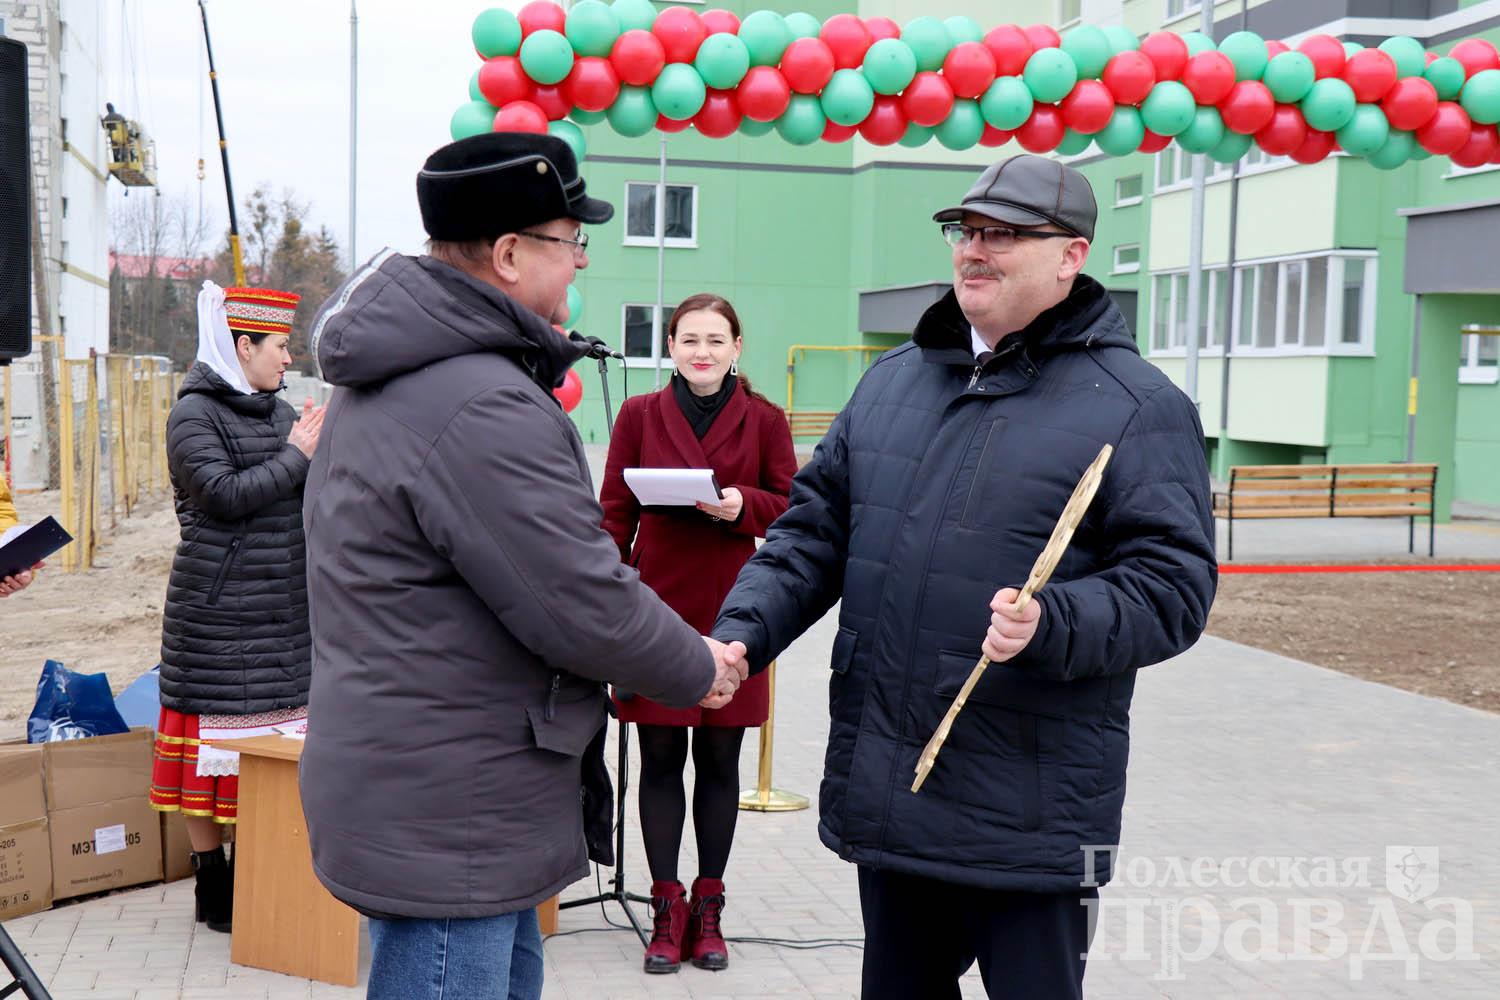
731,669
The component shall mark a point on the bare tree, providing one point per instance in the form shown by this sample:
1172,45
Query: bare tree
151,303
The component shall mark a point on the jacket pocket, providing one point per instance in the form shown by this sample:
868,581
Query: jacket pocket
844,645
1024,476
566,727
224,568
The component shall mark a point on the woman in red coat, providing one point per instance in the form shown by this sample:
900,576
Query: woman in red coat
707,418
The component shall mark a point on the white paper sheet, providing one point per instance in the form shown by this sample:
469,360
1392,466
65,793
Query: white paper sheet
109,839
672,487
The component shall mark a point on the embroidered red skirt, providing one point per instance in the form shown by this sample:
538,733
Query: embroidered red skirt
189,775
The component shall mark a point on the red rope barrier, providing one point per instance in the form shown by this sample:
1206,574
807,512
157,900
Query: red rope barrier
1366,568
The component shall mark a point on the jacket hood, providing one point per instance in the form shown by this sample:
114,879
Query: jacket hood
202,380
397,314
1087,318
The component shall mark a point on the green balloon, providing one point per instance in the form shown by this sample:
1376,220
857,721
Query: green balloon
1231,147
592,27
1289,76
1169,109
1197,42
1090,50
1007,104
1329,105
753,128
634,113
766,36
1447,75
475,94
570,134
929,40
678,92
496,32
803,25
1123,135
583,117
1247,51
1419,152
472,118
890,65
575,305
963,29
1350,48
1206,132
1481,96
1050,74
847,97
1399,147
634,14
1074,143
1409,55
802,123
1121,39
963,126
546,56
722,61
916,135
1366,132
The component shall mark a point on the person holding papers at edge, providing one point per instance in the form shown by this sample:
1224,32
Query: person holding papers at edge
708,417
8,519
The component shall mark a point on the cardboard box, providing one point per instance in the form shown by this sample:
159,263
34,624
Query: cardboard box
176,849
25,853
103,831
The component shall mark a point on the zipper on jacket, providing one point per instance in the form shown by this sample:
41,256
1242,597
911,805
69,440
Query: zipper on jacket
973,379
551,708
234,547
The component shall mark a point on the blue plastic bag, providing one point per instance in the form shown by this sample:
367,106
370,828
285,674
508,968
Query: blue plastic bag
72,706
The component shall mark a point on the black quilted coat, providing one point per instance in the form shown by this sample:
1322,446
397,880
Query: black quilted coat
234,637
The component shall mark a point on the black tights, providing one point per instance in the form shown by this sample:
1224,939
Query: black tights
663,803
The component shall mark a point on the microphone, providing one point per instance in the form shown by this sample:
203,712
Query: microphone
597,348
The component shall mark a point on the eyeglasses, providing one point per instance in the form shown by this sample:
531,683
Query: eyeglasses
994,238
580,245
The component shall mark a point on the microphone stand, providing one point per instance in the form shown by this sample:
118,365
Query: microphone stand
617,892
23,977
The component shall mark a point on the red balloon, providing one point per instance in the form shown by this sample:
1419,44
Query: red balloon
665,124
638,57
1168,53
807,65
882,27
834,132
553,101
763,94
1129,75
1284,133
592,84
848,38
1315,147
1448,130
1154,143
541,14
1210,76
1326,53
502,80
1476,54
1410,104
1043,36
1010,47
993,136
927,100
1043,130
721,22
885,124
521,116
719,116
570,393
1481,148
1371,74
1248,108
969,69
680,32
1432,57
1275,48
1088,108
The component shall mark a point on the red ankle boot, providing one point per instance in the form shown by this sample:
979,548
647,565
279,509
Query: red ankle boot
669,908
705,941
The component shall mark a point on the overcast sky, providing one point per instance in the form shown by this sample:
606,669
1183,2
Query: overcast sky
284,81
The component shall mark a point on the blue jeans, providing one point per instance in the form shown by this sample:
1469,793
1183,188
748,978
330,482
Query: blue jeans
487,958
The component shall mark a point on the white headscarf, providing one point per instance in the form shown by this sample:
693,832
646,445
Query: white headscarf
215,342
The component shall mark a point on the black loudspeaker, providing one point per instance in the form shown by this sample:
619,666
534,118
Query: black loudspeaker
15,204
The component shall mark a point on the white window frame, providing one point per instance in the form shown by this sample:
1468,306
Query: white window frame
1177,336
1255,161
1126,268
644,360
690,243
1133,199
1063,21
1470,371
1185,7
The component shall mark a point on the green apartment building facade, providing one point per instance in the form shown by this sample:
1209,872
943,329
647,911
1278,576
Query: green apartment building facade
1346,280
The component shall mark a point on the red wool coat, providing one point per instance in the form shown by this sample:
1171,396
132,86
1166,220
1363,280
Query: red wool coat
688,558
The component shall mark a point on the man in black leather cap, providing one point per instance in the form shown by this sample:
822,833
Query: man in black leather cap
466,604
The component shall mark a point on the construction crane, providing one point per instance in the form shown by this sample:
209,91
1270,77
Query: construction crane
132,153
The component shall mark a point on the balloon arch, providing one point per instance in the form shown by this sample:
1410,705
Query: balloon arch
547,69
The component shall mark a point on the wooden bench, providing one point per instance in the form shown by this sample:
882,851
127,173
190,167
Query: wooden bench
1399,489
810,423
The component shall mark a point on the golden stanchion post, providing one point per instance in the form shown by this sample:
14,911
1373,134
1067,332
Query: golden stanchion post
764,798
91,459
65,460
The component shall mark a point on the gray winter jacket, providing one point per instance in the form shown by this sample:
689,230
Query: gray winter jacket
466,605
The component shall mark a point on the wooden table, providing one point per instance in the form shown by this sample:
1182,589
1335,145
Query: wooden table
284,920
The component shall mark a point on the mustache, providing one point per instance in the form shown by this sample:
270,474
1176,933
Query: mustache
974,270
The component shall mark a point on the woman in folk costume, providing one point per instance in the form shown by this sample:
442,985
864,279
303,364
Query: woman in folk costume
235,648
707,418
